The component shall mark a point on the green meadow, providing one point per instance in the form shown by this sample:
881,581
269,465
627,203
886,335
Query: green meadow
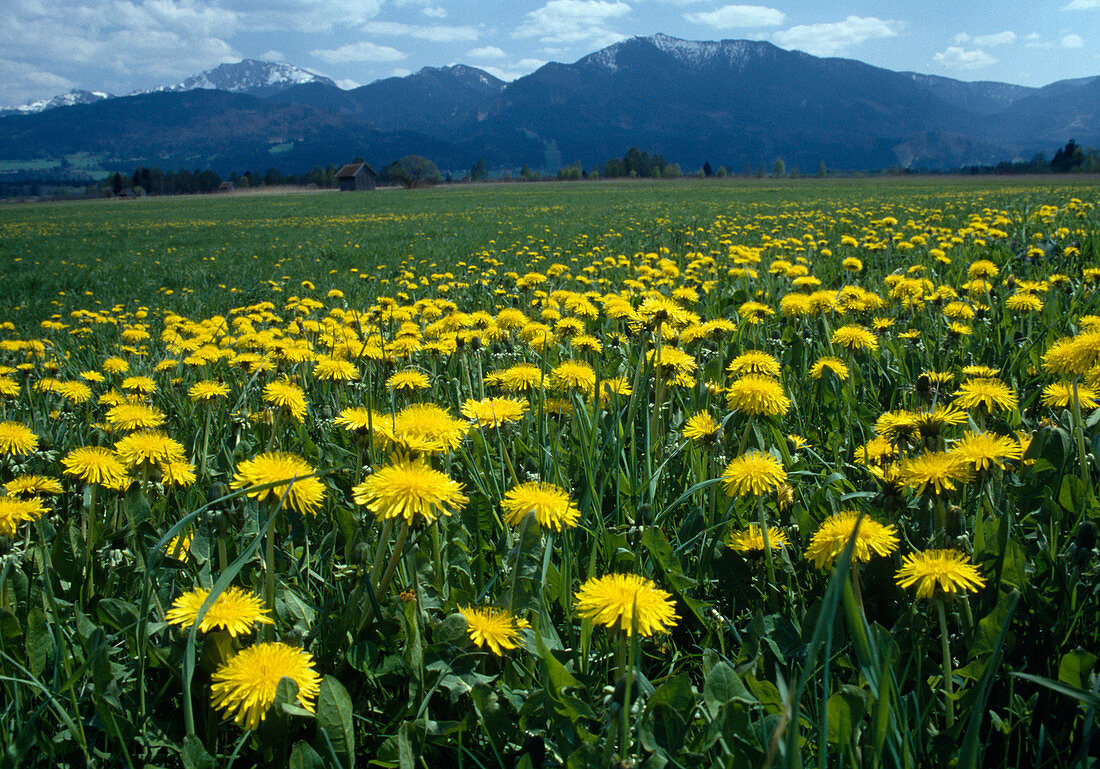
712,473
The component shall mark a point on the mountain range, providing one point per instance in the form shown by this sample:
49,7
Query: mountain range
735,103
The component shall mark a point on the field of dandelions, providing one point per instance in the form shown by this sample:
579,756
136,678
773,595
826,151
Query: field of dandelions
684,475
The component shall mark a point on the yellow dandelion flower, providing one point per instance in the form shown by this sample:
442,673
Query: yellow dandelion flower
831,537
751,540
551,505
409,379
829,363
14,511
494,412
235,610
939,573
245,685
148,448
935,471
134,416
409,489
754,472
758,395
290,474
17,439
287,396
992,394
496,628
626,602
95,464
33,485
982,450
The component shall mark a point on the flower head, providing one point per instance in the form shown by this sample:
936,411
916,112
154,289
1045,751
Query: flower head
751,540
574,375
16,438
148,448
94,464
207,390
990,393
494,412
1061,395
939,573
550,503
496,628
701,427
287,396
409,489
423,427
624,601
290,474
134,416
14,511
936,471
754,362
235,610
831,537
982,450
758,395
409,379
754,472
245,686
854,338
32,486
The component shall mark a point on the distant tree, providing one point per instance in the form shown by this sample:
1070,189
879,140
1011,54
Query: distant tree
571,172
721,173
478,173
822,171
1092,161
1068,158
412,171
780,168
707,170
116,183
671,171
527,174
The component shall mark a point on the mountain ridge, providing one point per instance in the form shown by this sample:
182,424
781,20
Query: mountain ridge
729,102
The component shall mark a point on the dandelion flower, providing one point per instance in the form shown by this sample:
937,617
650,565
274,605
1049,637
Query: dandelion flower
142,385
495,628
235,610
304,494
574,375
1060,395
758,395
245,686
206,391
17,439
754,472
74,392
550,503
356,419
751,540
621,601
423,427
853,338
335,370
829,363
982,450
934,470
990,393
94,464
409,379
287,396
939,573
177,472
494,412
148,448
701,428
754,362
32,486
520,377
409,489
14,511
831,537
134,416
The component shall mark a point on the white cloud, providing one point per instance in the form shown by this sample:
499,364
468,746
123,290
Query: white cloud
574,21
437,33
833,38
347,83
955,57
1072,41
302,15
364,50
1000,38
1081,5
734,16
486,52
518,69
273,56
24,83
433,12
401,72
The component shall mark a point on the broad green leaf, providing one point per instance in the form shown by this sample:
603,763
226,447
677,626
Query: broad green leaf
334,711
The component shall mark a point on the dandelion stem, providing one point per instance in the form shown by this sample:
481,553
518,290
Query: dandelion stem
948,686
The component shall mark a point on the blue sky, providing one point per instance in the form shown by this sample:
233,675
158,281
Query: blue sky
51,46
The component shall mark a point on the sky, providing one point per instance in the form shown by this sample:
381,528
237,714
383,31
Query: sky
49,47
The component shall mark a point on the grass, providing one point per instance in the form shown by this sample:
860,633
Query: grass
636,300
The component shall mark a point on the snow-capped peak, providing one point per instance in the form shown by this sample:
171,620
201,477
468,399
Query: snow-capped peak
62,100
690,52
251,76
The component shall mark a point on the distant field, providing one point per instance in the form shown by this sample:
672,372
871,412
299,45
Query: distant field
215,252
